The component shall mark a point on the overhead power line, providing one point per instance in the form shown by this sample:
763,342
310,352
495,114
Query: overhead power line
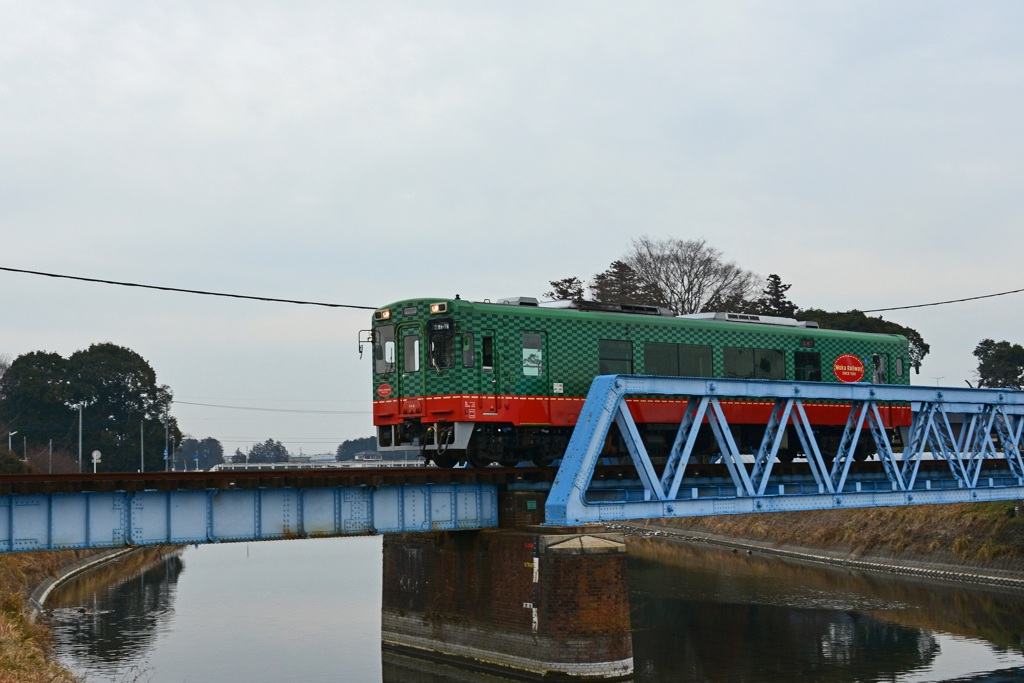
942,303
185,291
371,308
277,410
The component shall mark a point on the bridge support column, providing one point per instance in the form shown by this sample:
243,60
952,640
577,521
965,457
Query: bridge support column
546,602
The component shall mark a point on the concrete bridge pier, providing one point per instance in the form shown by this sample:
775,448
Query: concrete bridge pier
537,602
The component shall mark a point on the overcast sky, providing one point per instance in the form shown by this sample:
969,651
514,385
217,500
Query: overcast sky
870,153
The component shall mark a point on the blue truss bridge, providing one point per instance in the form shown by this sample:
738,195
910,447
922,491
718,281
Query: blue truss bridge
963,445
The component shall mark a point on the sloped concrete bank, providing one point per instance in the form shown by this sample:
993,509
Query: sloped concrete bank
37,599
874,563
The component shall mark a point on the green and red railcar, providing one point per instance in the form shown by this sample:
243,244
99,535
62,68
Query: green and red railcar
503,382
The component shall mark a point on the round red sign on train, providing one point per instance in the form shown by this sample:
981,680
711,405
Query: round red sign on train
384,390
848,368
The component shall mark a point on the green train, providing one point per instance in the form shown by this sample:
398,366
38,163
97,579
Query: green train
504,381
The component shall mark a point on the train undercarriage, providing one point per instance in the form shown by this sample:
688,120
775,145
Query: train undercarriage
503,444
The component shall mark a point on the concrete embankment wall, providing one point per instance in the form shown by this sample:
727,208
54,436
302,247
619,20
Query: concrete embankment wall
37,599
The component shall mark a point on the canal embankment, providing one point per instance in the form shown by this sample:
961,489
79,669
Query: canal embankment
27,580
980,543
25,643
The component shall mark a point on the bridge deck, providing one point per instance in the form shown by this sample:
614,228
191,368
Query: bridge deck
963,445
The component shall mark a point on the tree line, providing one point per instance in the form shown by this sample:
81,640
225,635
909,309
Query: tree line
691,276
109,390
125,414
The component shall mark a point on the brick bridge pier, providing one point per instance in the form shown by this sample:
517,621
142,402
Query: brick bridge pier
532,601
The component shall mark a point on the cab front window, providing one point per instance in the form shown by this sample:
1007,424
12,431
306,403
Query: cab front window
441,343
384,349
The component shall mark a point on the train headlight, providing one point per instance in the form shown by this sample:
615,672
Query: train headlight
382,315
439,308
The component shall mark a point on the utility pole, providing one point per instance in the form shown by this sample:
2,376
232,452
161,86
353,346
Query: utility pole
50,468
80,437
167,440
142,448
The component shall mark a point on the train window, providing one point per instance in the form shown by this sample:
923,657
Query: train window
769,364
807,366
615,357
754,363
694,360
487,353
739,363
677,360
441,342
411,353
879,374
899,367
384,350
468,355
532,355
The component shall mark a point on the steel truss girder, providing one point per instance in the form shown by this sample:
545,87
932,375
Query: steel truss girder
984,416
61,521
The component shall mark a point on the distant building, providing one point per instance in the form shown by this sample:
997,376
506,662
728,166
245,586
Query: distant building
367,455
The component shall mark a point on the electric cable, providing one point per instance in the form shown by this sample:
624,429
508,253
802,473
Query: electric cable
942,303
372,308
186,291
276,410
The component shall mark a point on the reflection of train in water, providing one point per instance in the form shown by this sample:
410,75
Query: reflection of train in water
504,382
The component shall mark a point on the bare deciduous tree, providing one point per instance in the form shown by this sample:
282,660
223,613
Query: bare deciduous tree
689,274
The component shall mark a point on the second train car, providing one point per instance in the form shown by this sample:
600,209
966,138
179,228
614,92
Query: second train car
503,382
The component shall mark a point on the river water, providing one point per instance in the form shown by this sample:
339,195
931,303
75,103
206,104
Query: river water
310,611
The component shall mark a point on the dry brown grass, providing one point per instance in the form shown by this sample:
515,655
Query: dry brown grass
973,534
24,646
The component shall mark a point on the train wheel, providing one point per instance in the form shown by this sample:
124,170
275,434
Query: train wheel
478,460
543,460
446,459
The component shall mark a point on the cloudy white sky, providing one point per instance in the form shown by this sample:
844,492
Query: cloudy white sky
870,153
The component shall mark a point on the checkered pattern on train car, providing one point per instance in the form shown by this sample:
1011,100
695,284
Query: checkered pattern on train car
571,340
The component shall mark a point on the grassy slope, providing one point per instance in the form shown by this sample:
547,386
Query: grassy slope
24,646
980,535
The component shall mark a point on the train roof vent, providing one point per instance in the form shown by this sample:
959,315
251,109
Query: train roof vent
602,307
750,318
519,301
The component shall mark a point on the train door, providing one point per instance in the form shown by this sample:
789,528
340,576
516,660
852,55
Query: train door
533,380
489,373
410,371
879,373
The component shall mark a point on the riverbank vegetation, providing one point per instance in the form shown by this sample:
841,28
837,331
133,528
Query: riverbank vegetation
981,535
25,645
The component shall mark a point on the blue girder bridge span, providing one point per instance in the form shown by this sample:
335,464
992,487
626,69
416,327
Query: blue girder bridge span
963,445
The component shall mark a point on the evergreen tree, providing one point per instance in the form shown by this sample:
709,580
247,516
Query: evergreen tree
124,409
348,448
619,284
1000,364
268,451
209,450
566,289
773,299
